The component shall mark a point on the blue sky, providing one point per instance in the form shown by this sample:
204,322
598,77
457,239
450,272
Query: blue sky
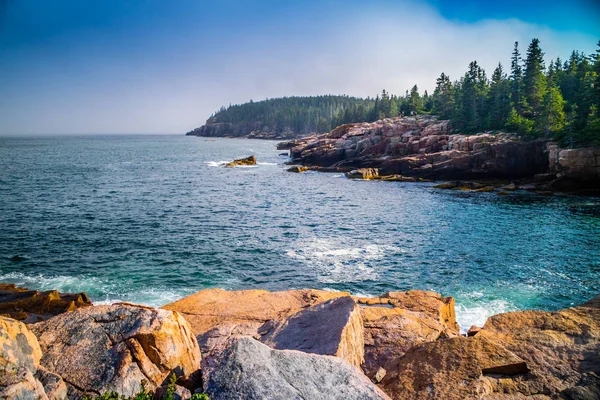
72,66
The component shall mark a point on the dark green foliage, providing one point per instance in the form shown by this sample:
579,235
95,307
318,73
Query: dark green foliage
561,102
145,394
301,114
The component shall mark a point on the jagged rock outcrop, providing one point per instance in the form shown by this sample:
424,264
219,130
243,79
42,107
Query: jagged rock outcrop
32,306
21,376
334,328
422,146
242,161
250,370
115,347
574,168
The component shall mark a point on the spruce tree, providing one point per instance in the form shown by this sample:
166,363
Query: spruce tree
534,80
516,79
552,117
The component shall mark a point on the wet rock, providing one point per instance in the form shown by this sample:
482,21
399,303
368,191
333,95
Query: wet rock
485,189
251,370
32,306
242,161
333,327
363,173
114,348
510,187
297,169
398,178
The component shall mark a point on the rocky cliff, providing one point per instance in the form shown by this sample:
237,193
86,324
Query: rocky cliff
256,344
425,147
254,130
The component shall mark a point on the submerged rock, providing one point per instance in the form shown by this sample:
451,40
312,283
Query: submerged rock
32,306
252,371
21,376
115,347
242,161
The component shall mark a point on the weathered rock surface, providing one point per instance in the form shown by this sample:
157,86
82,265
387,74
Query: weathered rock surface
242,161
562,348
32,306
436,306
21,376
114,348
217,315
452,369
334,328
250,370
391,332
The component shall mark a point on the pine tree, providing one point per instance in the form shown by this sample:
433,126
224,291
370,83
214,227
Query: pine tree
415,101
443,97
499,99
516,79
534,80
552,116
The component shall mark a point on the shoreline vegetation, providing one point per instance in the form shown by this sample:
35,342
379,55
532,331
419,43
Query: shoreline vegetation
255,344
559,101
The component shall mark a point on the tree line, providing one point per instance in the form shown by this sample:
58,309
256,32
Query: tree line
561,101
301,114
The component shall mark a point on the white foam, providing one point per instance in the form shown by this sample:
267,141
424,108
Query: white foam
100,291
336,262
215,163
477,314
266,163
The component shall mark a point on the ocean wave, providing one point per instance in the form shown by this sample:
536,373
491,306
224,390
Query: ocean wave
335,262
215,163
476,313
266,163
100,291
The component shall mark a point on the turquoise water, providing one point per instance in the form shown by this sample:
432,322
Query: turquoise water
151,219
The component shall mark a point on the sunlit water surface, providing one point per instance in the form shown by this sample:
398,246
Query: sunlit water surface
151,219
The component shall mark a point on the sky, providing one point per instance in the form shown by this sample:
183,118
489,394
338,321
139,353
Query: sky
155,66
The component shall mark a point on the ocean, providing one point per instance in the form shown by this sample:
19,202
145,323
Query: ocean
151,219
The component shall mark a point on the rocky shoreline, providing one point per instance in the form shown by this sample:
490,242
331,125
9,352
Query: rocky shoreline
255,344
425,148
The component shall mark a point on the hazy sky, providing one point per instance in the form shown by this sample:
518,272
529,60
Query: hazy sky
104,66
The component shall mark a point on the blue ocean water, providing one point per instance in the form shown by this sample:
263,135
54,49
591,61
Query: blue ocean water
151,219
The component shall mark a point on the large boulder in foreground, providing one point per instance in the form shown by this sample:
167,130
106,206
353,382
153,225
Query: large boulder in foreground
250,370
452,369
217,315
21,376
331,328
115,347
32,306
561,348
